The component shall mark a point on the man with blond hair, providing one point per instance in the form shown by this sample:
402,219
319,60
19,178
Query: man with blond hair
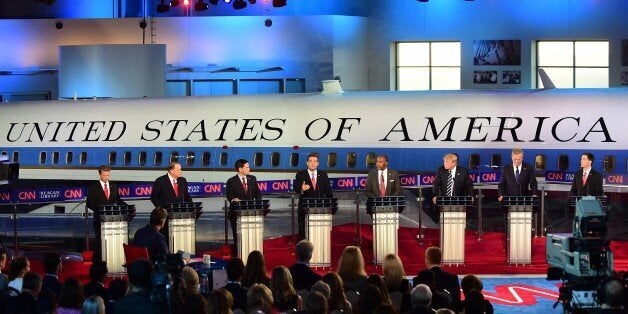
451,179
443,280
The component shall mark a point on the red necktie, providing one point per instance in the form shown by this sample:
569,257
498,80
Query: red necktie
382,186
584,178
106,189
175,186
244,186
313,182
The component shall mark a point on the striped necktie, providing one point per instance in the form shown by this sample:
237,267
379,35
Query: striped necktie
450,184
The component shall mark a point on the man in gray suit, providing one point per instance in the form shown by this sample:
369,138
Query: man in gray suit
382,181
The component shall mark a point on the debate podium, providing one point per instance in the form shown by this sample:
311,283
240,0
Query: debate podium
182,225
519,228
250,222
114,231
385,212
453,221
318,223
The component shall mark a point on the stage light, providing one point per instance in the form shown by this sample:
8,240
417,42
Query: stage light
200,6
279,3
174,3
186,3
239,4
162,7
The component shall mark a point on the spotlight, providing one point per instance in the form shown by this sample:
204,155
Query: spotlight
174,3
279,3
200,6
162,7
59,24
239,4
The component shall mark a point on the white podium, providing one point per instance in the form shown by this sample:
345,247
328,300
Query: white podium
114,231
453,222
519,228
250,230
318,223
182,226
385,211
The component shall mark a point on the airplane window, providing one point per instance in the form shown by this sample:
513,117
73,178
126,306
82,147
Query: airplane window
496,162
68,158
127,158
474,161
189,159
141,159
159,156
224,157
274,159
4,154
16,156
112,157
42,158
205,158
609,163
294,160
351,159
174,156
540,162
371,158
563,162
332,159
258,158
55,158
83,158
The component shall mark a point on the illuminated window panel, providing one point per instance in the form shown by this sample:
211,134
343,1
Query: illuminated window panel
428,65
555,53
445,78
561,77
445,54
591,54
413,78
591,77
413,54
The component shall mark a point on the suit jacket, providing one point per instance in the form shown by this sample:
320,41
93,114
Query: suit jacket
444,280
393,187
153,241
52,283
236,190
239,295
462,183
163,192
96,288
303,276
96,196
138,303
508,185
594,185
24,303
323,187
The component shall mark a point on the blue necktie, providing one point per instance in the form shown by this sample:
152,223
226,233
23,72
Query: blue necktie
517,175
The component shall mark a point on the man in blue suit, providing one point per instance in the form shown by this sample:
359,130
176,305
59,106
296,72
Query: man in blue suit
150,238
517,178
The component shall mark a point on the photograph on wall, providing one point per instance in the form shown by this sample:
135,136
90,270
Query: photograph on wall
485,77
624,52
511,77
624,78
497,52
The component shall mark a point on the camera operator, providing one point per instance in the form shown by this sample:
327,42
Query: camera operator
614,295
138,300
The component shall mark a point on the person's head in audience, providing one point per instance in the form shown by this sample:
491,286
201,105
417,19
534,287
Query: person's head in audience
139,275
71,295
220,301
32,283
370,298
47,301
118,289
196,303
426,277
386,308
421,296
316,303
158,218
93,305
190,276
282,287
351,264
304,251
321,287
337,299
433,256
3,259
378,281
98,271
52,263
255,269
473,302
393,272
259,298
19,266
445,311
614,294
471,282
235,268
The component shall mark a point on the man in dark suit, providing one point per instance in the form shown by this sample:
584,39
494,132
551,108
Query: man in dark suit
242,186
443,280
235,268
303,276
382,181
26,302
150,238
96,286
451,179
171,188
517,178
101,192
138,300
311,183
587,181
52,267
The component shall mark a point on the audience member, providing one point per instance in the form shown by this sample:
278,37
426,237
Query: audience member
190,276
440,298
304,276
321,287
316,304
473,302
395,278
26,301
70,297
94,304
197,304
96,286
284,295
378,281
445,311
52,267
4,279
471,282
614,297
138,301
370,299
386,308
220,302
117,290
443,280
351,269
235,267
47,302
19,266
150,237
255,270
259,298
421,298
177,293
337,300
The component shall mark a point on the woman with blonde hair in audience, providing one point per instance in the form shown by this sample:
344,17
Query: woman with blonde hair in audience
190,277
284,295
93,305
254,270
259,298
220,301
351,269
395,278
337,299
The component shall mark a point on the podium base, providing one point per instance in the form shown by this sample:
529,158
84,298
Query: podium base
452,228
318,232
